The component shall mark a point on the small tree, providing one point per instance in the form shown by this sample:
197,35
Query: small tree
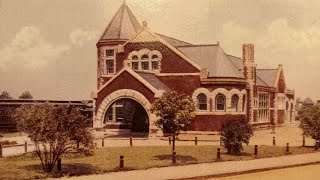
234,133
174,111
26,95
310,121
54,130
5,95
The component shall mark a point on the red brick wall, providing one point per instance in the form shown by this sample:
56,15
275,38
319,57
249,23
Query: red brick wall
124,81
170,63
212,122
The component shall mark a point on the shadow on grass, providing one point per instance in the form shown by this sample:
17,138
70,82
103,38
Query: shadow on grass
75,169
180,158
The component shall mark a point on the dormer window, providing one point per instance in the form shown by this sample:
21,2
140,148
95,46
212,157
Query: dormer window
145,60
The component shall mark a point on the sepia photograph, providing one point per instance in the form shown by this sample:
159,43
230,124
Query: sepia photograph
160,89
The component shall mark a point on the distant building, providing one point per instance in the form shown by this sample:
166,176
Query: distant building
8,106
136,65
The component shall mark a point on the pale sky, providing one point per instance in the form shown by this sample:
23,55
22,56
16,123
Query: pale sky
48,47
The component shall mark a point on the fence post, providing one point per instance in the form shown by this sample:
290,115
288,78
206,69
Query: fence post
131,141
121,162
169,140
287,148
25,147
173,142
218,154
102,142
174,158
303,141
316,145
220,141
0,150
256,151
274,141
196,140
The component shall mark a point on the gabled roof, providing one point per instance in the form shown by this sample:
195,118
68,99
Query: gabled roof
260,82
236,61
123,25
214,59
269,76
145,35
173,41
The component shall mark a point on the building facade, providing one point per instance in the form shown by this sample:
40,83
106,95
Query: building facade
135,66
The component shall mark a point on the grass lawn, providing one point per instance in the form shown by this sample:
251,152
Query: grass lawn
27,166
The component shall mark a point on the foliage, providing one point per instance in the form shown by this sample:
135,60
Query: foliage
234,133
54,130
310,121
5,95
26,95
174,111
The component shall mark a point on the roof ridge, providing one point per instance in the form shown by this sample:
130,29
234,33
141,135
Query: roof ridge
173,38
197,45
235,56
234,66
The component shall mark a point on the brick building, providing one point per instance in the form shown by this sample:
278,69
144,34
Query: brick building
136,65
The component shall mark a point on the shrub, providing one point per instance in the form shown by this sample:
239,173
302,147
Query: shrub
234,133
310,121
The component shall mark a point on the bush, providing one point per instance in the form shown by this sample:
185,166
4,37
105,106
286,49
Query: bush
310,121
234,133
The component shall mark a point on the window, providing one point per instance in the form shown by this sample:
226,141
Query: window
145,57
145,65
220,102
202,101
155,65
263,106
135,65
110,66
145,60
234,102
110,53
110,61
243,103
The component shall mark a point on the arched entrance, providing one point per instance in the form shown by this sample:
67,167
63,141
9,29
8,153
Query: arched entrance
128,114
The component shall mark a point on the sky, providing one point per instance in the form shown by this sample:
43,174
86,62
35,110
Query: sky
49,47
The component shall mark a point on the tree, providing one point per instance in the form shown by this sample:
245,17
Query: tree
310,121
174,111
55,130
26,95
5,95
234,133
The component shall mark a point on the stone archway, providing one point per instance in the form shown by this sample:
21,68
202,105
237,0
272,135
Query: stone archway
125,94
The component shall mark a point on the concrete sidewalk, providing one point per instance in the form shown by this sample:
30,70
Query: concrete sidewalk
209,169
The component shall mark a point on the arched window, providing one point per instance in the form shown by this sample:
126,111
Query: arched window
234,102
202,102
145,57
145,60
134,58
220,102
243,103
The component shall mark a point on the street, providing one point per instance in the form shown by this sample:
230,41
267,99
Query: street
309,172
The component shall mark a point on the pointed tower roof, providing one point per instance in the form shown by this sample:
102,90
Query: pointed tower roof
122,26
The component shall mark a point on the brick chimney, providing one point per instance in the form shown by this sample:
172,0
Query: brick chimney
249,68
248,63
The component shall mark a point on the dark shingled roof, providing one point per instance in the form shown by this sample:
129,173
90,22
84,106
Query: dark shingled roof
173,41
214,59
123,25
154,80
268,75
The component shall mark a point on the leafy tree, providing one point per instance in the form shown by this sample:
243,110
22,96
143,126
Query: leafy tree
310,121
55,130
174,111
5,95
234,133
26,95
